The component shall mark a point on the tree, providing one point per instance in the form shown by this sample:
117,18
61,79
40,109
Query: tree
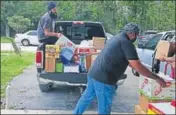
19,23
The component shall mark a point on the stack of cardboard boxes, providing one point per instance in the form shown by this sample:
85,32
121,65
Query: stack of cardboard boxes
154,99
152,92
65,56
51,53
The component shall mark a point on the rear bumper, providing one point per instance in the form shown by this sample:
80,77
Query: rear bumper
69,79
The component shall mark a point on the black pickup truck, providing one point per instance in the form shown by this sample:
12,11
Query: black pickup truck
76,31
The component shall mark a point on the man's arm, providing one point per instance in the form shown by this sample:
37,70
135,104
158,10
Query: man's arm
169,59
132,57
136,64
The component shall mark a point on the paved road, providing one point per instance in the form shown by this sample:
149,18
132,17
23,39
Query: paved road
23,93
9,47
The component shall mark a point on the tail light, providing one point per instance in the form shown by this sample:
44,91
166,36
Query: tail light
39,59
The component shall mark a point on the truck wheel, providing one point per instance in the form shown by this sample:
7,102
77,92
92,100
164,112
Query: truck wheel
45,87
25,42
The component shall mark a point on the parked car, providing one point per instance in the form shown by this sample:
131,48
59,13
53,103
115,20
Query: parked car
109,36
147,36
76,32
146,52
27,38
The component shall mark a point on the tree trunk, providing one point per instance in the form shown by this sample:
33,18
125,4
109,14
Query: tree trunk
7,30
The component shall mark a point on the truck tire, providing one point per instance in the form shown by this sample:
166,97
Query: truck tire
45,87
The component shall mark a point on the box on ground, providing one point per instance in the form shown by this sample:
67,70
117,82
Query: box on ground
161,108
163,49
50,64
138,110
144,101
153,90
98,42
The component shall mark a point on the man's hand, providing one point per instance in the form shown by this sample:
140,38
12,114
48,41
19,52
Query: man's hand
162,58
161,81
58,35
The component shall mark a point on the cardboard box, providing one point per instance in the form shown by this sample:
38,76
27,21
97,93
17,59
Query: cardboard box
98,42
52,51
50,64
88,61
153,90
71,68
161,108
144,101
64,42
163,49
138,110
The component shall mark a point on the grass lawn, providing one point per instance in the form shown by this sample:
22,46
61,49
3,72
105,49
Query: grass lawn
12,65
6,40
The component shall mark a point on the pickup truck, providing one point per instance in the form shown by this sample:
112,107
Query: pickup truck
76,31
146,52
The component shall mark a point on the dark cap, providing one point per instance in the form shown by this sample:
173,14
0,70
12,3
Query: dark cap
51,5
131,27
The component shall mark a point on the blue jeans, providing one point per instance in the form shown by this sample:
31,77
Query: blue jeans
103,92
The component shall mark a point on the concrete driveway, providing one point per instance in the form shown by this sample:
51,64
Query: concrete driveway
23,93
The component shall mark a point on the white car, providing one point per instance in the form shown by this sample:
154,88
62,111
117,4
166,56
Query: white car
27,38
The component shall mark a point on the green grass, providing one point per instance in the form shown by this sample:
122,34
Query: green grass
6,39
12,65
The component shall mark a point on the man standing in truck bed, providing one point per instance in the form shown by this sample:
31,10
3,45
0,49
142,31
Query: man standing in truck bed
109,67
46,26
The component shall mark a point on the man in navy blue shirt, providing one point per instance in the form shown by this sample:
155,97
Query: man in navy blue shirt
109,67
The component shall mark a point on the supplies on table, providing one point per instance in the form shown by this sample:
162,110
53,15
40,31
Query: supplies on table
152,92
98,42
71,68
161,108
152,89
163,49
138,110
67,48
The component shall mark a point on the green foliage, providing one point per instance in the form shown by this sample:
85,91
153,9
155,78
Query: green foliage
19,23
158,15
